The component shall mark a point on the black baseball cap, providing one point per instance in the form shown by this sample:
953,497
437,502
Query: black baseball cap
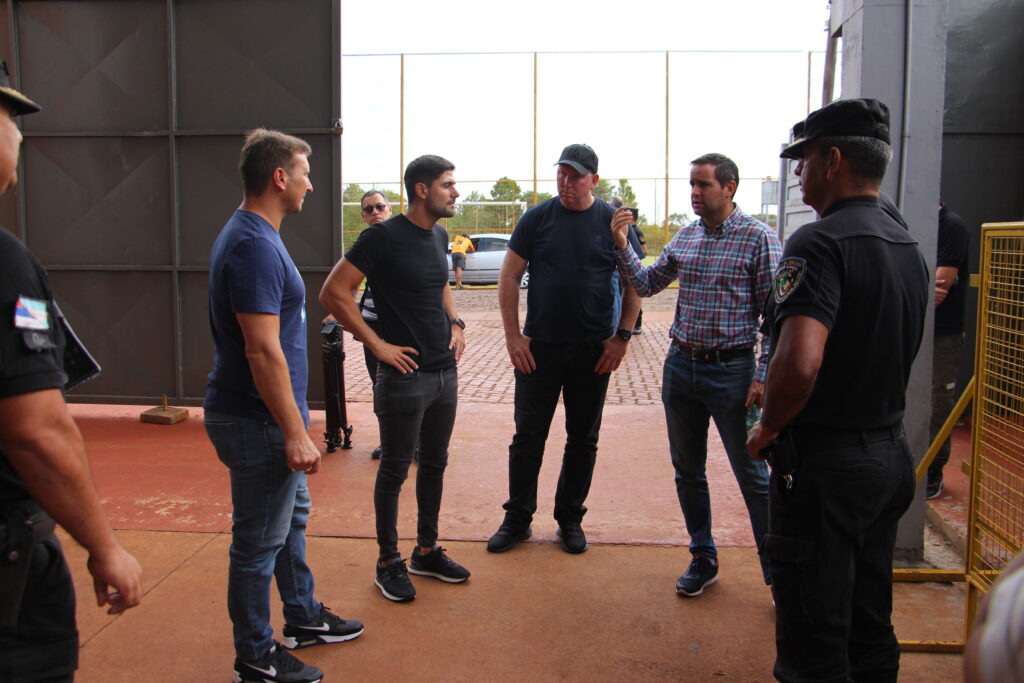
866,118
18,103
580,157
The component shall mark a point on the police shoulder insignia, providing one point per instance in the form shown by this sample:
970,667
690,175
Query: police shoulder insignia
788,277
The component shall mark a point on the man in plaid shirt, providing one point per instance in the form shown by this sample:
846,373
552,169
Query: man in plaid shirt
724,263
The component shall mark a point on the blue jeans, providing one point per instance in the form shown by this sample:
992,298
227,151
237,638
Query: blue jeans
566,369
694,392
268,535
414,407
831,549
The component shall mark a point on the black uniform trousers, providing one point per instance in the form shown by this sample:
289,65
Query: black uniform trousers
43,648
830,548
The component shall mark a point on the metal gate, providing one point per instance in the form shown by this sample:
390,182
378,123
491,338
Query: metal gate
130,170
996,522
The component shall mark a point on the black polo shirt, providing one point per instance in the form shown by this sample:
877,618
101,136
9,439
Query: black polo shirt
862,275
31,339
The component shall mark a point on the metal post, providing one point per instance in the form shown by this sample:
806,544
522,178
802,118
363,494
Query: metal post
535,129
664,235
401,139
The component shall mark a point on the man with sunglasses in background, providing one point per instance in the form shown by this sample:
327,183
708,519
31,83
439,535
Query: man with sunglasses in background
375,209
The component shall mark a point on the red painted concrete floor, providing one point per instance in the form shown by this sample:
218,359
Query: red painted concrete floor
533,614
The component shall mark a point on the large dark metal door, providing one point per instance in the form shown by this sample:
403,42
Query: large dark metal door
130,170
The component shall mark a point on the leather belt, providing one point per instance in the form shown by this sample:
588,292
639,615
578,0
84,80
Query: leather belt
821,438
711,355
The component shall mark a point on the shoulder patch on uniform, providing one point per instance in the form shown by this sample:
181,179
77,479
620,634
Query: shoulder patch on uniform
31,314
788,277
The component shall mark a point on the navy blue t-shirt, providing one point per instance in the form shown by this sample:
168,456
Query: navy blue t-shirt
251,272
407,270
574,289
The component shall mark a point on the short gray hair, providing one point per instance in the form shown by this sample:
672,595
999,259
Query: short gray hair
868,157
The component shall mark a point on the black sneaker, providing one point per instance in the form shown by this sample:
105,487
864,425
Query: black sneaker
506,537
375,455
277,666
703,571
573,539
438,565
934,487
326,628
393,581
637,330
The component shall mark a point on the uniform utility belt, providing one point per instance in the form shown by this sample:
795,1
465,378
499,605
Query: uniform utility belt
711,355
819,438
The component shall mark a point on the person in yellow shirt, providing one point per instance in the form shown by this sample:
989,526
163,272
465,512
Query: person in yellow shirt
460,247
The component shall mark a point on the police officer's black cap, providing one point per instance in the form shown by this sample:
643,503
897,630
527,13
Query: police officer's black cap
580,157
14,100
866,118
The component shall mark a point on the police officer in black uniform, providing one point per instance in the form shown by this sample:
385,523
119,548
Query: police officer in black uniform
44,473
847,313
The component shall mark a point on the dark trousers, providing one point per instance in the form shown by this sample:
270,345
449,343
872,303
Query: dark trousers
830,548
414,407
946,353
566,369
43,648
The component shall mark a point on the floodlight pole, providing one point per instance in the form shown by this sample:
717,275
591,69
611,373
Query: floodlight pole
665,229
401,138
535,129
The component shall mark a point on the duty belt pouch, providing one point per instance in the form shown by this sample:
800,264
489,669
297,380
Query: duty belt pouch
22,526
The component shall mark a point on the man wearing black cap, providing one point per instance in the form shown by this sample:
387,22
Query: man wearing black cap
575,335
849,299
44,470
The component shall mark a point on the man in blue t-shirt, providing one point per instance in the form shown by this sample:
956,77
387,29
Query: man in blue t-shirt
257,419
418,341
573,340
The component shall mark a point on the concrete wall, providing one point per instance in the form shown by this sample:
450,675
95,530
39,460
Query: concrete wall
878,62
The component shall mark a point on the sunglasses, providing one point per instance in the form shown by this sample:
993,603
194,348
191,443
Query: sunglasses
374,207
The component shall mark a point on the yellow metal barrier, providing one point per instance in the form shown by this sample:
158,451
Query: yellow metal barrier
995,531
996,517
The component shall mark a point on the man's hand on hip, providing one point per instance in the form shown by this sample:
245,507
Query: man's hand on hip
399,357
611,357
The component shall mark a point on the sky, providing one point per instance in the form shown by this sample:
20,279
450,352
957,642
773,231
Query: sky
738,78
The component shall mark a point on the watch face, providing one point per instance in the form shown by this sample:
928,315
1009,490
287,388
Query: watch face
625,334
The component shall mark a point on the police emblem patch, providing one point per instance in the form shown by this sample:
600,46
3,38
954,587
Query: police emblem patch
788,277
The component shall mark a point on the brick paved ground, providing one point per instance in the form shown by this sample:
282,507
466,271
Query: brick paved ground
485,373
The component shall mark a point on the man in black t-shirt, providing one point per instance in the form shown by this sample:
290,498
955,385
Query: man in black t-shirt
419,342
850,297
44,470
948,340
575,336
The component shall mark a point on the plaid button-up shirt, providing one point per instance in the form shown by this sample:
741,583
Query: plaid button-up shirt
725,274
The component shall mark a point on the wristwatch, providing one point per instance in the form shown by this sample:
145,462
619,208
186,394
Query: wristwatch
458,321
624,334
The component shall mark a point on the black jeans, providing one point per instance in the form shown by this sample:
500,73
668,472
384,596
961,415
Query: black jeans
414,407
830,549
44,645
566,369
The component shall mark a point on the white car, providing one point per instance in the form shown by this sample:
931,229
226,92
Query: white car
484,264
